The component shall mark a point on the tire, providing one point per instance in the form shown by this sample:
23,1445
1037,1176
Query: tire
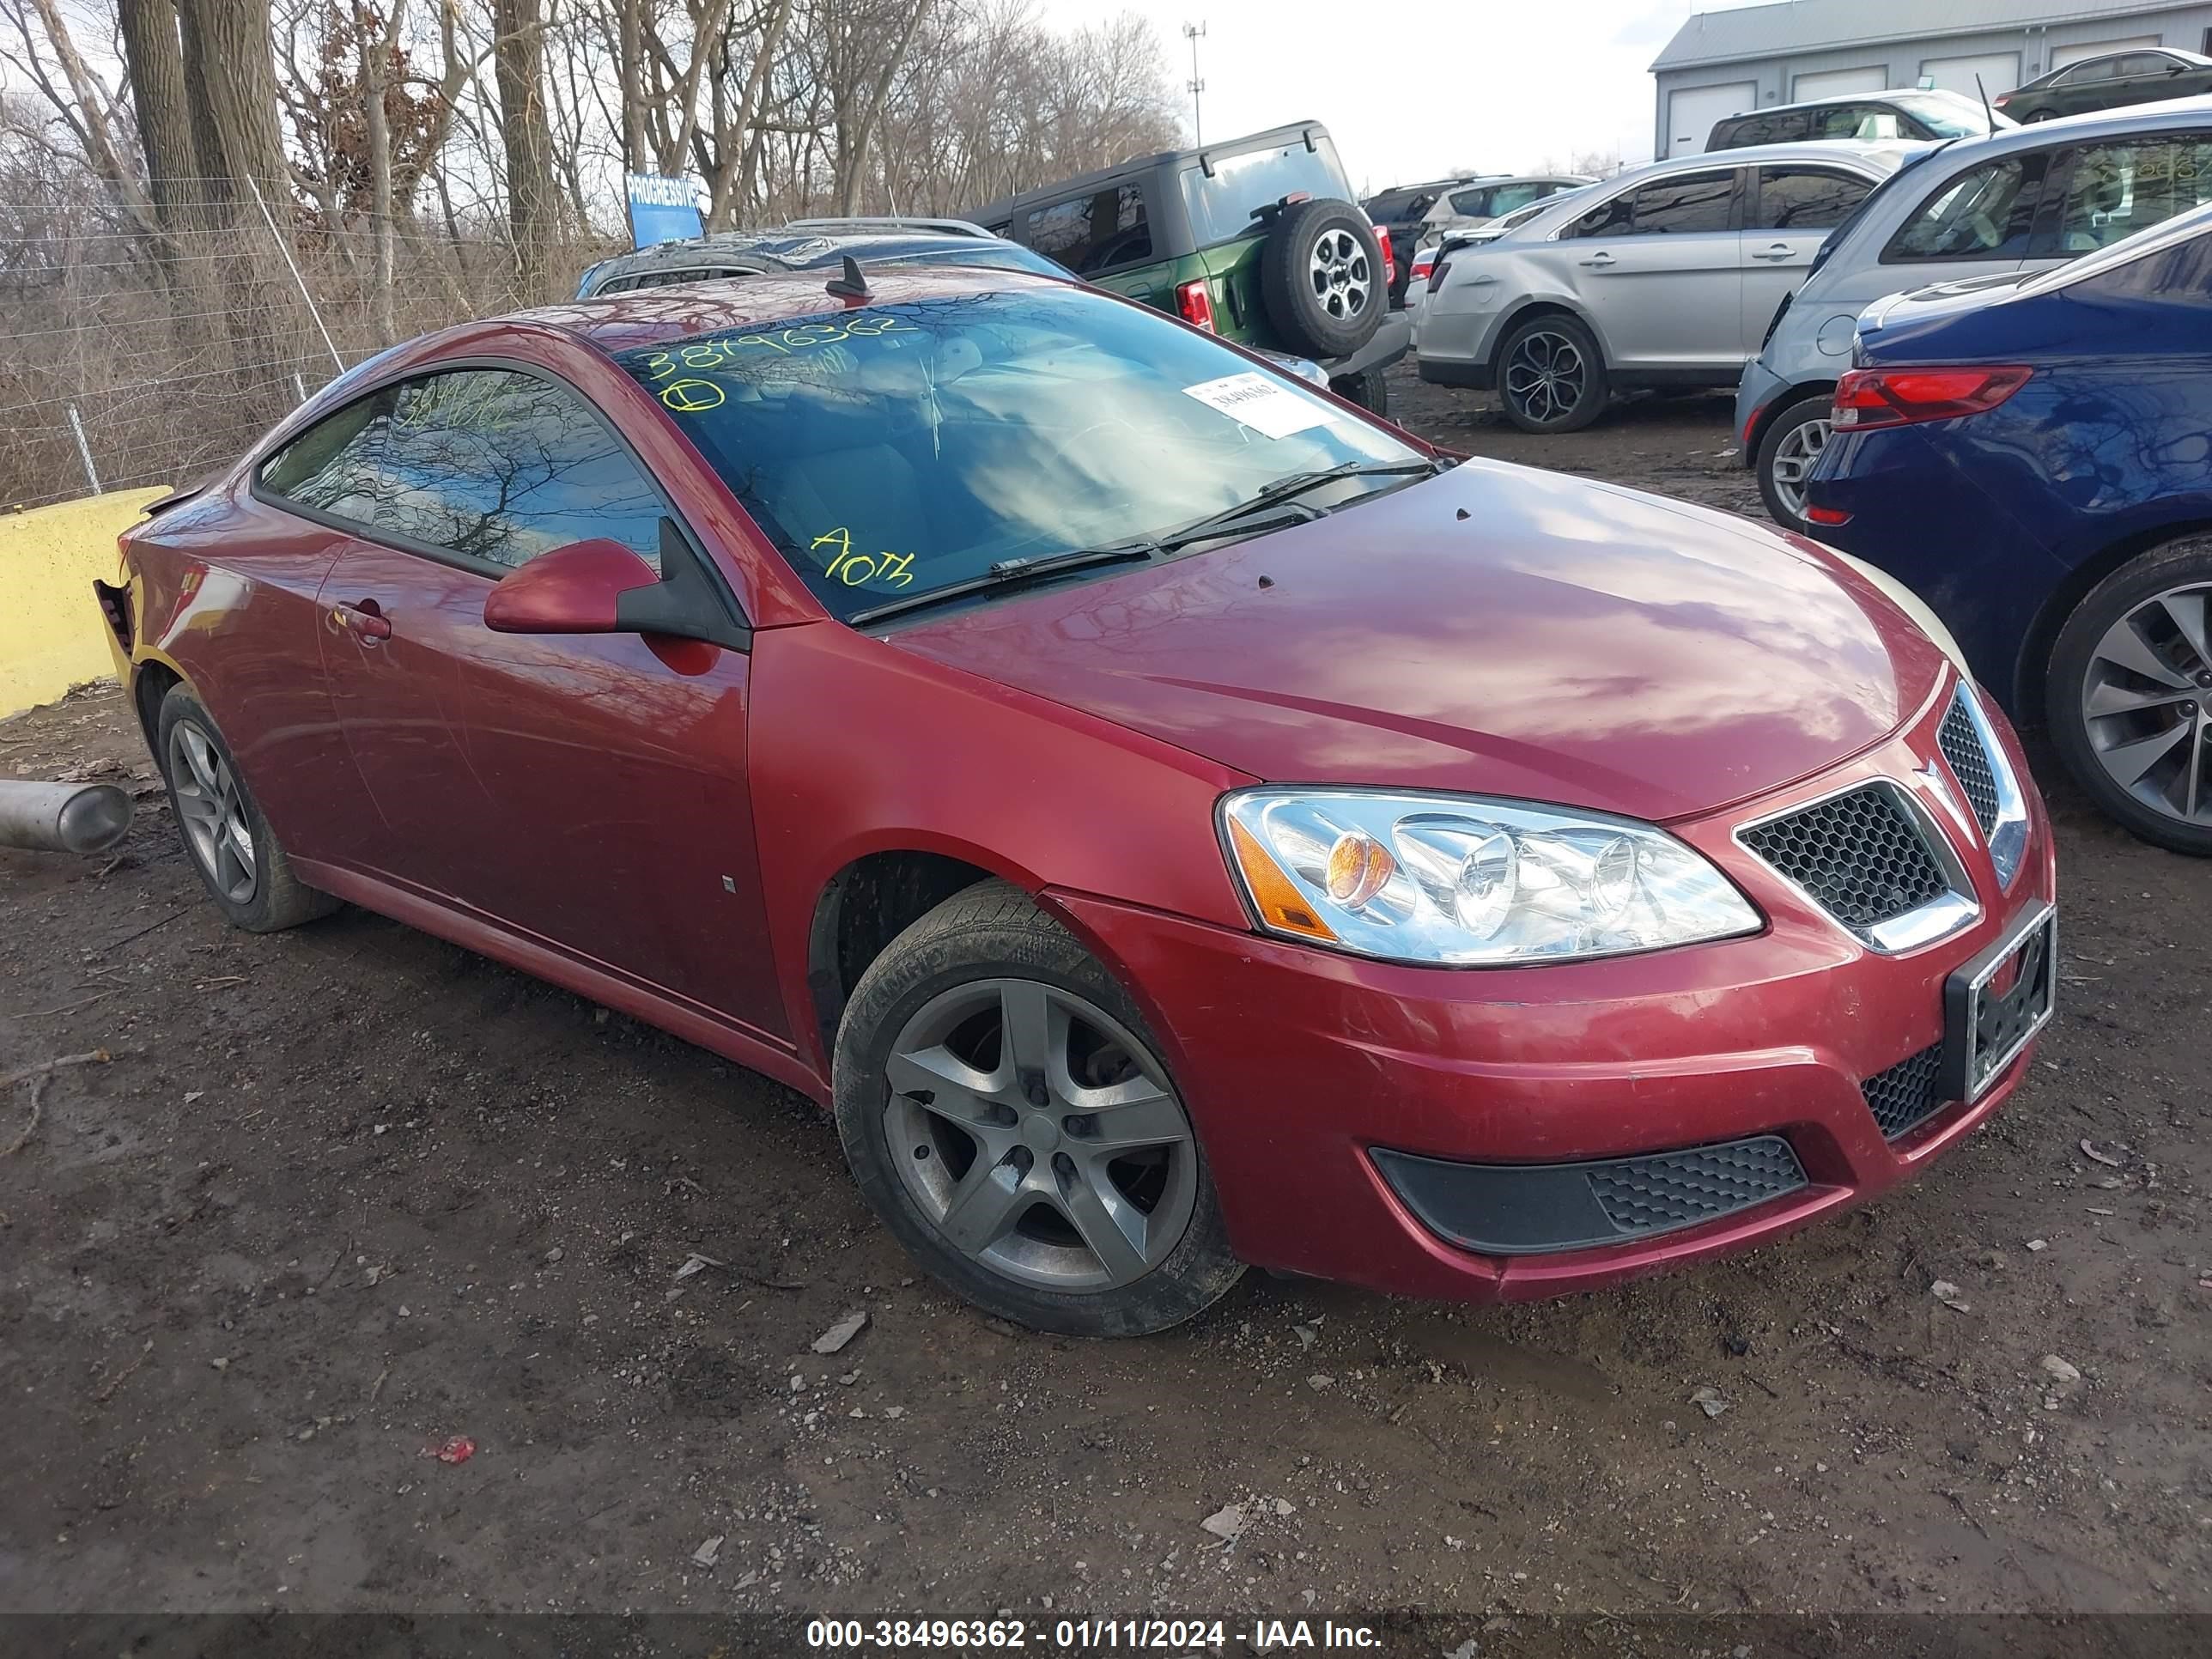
1561,406
199,768
1790,443
1370,389
1321,279
941,989
2164,686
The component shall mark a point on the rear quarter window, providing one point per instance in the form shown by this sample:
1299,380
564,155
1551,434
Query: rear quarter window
1986,212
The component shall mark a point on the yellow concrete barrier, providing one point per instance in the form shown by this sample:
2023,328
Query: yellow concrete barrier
50,634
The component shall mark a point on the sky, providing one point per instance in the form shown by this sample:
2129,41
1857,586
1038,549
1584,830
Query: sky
1419,90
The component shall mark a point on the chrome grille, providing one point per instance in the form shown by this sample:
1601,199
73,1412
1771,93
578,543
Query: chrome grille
1962,747
1860,855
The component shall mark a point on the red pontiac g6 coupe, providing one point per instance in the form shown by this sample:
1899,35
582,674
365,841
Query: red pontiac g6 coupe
1174,819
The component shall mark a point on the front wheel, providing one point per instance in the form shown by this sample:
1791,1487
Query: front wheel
1788,454
1009,1118
2130,696
1551,375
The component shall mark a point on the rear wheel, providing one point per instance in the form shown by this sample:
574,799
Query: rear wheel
1787,455
2130,696
1551,375
238,856
1009,1118
1370,391
1321,279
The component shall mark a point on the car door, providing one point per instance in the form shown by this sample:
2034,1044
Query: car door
584,792
1659,268
1789,211
2088,85
2146,77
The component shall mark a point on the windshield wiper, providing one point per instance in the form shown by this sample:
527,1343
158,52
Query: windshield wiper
1014,573
1284,489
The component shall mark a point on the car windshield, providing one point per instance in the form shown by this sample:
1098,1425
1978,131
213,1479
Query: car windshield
1221,206
1949,114
891,451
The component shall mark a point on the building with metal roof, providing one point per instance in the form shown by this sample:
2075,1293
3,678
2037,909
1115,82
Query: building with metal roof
1725,62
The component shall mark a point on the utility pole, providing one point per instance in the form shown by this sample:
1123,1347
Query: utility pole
1195,32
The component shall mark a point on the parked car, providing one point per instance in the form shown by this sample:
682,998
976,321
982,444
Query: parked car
825,244
1661,276
1257,239
1425,261
1870,116
2022,200
2146,75
2029,452
1400,211
1484,201
1170,816
810,245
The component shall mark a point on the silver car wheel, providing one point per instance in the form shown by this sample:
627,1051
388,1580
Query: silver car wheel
1342,278
1545,375
1039,1136
2146,703
1794,457
212,813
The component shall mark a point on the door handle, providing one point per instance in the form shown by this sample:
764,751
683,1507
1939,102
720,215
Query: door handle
363,617
1598,261
1775,252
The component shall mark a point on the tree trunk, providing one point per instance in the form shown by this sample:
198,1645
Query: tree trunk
517,57
377,53
92,117
154,59
631,49
854,164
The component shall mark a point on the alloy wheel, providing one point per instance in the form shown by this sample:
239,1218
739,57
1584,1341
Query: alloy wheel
1545,375
1039,1136
2146,703
213,813
1794,457
1342,279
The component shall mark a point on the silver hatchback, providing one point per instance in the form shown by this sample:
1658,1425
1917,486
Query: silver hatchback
2024,199
1663,277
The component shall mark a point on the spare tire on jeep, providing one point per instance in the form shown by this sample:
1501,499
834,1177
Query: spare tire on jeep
1321,278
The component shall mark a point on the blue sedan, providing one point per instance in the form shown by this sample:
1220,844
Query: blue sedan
2034,455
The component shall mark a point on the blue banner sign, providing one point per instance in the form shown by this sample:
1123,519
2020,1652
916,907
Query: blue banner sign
662,209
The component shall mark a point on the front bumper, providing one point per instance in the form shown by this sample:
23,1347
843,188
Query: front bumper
1758,393
1308,1073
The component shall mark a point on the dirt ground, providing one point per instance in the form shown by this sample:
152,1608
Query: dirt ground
347,1192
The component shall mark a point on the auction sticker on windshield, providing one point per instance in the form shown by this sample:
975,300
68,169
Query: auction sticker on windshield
1267,406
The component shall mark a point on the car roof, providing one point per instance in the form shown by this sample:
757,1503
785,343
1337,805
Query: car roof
1892,95
653,316
800,245
1887,153
1272,138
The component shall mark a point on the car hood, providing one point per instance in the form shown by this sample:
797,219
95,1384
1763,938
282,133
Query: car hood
1498,630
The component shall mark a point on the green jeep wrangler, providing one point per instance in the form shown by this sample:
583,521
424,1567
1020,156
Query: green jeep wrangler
1258,240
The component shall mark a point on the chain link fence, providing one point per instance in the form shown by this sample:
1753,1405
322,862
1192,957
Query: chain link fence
131,357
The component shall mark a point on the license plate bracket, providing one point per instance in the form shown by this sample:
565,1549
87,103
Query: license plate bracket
1994,1005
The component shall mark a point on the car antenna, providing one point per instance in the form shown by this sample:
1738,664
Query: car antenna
1988,114
851,285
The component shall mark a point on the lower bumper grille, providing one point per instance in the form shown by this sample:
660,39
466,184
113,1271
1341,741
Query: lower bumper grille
1907,1093
1522,1209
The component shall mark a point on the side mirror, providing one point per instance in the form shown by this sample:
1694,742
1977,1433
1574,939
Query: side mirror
576,589
600,587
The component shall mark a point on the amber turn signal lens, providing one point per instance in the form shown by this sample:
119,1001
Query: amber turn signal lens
1359,865
1281,906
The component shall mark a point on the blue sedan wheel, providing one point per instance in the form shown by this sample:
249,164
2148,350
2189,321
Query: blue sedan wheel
2132,696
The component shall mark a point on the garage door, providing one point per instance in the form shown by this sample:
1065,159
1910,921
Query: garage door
1692,111
2062,56
2000,72
1835,84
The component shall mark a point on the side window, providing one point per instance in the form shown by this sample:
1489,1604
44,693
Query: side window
1609,218
503,466
1094,233
1508,198
1985,213
2143,63
1805,199
332,466
1678,206
1473,203
2115,190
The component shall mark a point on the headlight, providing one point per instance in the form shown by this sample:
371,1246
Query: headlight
1466,881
